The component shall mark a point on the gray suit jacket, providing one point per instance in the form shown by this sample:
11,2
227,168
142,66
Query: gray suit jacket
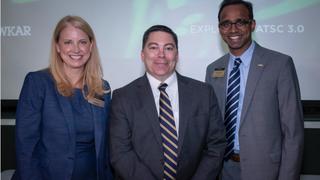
271,124
135,141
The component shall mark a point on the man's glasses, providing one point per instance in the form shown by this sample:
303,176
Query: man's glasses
239,23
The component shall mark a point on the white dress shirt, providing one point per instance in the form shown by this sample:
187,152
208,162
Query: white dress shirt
171,90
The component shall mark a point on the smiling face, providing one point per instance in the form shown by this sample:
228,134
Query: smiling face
160,55
74,48
238,39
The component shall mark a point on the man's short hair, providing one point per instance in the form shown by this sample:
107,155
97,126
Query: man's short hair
247,4
161,28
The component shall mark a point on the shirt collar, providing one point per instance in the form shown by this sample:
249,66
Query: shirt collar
155,83
246,56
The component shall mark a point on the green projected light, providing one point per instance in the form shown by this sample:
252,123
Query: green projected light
284,7
184,27
138,20
174,4
187,13
23,1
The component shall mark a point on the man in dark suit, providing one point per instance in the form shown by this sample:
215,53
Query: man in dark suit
259,96
176,133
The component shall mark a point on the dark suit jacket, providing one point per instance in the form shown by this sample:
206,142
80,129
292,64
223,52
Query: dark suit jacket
135,141
45,134
271,124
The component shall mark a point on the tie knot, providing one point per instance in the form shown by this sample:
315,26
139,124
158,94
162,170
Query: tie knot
163,86
237,62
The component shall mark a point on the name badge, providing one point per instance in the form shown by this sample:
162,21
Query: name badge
218,73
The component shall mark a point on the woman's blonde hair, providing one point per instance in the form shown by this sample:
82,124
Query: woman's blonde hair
92,75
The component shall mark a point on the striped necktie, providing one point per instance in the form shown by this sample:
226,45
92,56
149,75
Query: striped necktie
231,109
168,135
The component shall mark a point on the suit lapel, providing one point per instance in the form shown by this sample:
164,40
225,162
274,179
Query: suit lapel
257,66
222,83
185,108
99,119
146,100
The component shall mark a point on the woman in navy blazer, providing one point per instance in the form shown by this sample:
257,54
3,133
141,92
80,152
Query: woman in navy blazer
62,114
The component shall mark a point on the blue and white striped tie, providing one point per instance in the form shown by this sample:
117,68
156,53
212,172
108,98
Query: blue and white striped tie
168,135
231,108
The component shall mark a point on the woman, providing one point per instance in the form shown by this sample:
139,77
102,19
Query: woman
63,110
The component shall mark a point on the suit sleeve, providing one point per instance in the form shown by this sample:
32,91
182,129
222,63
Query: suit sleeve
123,157
28,120
291,122
106,156
212,156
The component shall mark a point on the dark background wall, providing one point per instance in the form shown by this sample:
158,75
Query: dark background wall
311,157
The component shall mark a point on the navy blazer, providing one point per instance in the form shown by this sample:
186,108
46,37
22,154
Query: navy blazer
45,132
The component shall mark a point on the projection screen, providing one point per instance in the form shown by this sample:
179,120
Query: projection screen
288,26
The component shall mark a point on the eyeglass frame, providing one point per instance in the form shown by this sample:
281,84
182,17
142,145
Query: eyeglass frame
239,23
